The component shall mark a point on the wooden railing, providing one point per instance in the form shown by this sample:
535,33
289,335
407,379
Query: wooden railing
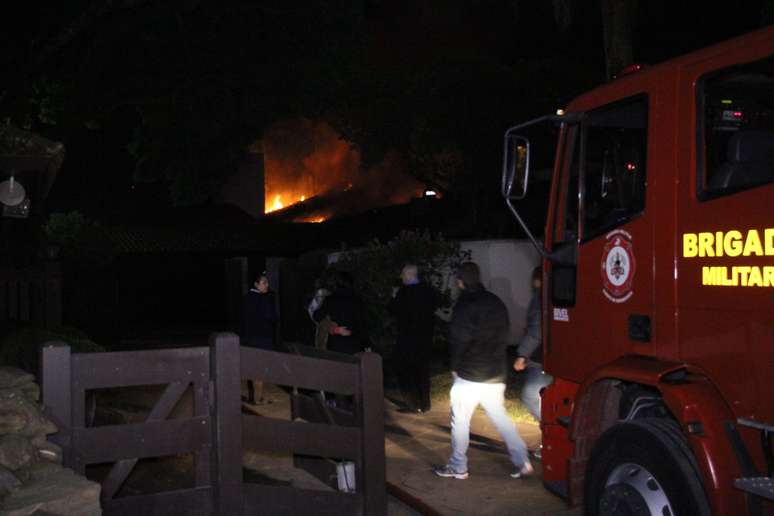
217,431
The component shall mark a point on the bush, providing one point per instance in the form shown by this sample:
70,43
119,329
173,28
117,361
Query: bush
375,271
82,240
21,347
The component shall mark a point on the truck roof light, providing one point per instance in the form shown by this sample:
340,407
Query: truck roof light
630,70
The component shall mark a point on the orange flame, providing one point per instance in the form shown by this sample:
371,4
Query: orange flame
277,203
313,220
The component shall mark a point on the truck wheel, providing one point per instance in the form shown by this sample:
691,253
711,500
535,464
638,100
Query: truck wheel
643,468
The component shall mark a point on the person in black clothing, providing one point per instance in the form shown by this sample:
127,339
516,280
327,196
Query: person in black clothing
258,327
414,306
478,335
347,331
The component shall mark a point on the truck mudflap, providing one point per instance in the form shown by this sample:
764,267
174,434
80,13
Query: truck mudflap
752,482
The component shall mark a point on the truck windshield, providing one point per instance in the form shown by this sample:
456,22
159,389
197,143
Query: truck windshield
737,108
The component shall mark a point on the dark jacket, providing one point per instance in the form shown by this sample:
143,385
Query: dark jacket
414,308
258,318
478,335
344,309
531,344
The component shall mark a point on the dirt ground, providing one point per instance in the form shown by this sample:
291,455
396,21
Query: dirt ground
413,444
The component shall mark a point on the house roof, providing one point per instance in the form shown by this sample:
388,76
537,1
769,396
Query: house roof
25,152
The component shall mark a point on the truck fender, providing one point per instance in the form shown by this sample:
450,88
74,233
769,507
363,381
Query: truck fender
690,397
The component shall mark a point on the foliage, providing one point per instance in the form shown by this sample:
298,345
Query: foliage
65,228
21,347
82,240
375,271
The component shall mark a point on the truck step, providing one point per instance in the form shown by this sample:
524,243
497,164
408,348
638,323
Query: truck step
751,423
761,486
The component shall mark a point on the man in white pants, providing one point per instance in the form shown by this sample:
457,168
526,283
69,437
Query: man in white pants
477,340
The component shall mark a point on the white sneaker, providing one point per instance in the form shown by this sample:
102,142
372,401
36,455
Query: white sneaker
448,472
525,471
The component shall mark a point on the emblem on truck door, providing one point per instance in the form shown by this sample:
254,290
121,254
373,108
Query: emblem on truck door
618,266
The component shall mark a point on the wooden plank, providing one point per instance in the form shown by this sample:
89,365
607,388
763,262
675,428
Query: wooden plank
288,501
161,410
311,408
193,502
149,367
262,433
371,475
203,458
78,409
55,384
310,352
302,372
227,427
158,439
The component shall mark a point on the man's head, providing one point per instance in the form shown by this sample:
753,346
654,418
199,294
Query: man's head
468,275
409,274
262,283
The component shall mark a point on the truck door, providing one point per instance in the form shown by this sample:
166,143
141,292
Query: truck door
601,307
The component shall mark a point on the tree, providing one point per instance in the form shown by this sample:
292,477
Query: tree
200,79
618,20
375,270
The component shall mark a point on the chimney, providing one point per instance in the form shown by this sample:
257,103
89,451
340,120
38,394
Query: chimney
246,188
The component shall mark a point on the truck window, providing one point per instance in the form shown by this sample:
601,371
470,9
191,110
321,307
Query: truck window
613,165
736,110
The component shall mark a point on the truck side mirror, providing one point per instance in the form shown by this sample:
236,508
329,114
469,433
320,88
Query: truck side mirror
515,167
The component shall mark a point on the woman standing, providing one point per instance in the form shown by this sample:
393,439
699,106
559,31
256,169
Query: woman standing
258,327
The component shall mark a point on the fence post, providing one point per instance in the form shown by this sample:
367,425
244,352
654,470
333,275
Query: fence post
56,384
372,470
226,374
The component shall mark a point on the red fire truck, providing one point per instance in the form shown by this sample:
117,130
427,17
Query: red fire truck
658,306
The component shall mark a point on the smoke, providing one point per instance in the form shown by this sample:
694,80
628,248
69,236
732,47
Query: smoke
304,159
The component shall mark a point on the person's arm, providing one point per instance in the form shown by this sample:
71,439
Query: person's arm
527,346
396,304
317,300
322,311
461,333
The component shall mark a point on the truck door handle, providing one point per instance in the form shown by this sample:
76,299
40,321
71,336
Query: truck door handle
639,328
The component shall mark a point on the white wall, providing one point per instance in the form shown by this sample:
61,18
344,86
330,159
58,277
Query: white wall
506,268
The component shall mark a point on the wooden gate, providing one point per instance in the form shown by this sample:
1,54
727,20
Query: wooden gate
217,432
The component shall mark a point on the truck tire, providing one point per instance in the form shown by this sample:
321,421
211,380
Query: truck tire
643,468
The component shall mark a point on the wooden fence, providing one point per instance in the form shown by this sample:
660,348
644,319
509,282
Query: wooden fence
31,295
217,431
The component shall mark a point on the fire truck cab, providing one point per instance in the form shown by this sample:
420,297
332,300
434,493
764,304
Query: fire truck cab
658,306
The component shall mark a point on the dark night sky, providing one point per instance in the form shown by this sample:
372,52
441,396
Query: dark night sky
412,75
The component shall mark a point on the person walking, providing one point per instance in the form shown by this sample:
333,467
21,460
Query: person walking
478,335
530,354
414,305
259,319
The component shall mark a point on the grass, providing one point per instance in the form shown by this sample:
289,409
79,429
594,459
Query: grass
441,383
